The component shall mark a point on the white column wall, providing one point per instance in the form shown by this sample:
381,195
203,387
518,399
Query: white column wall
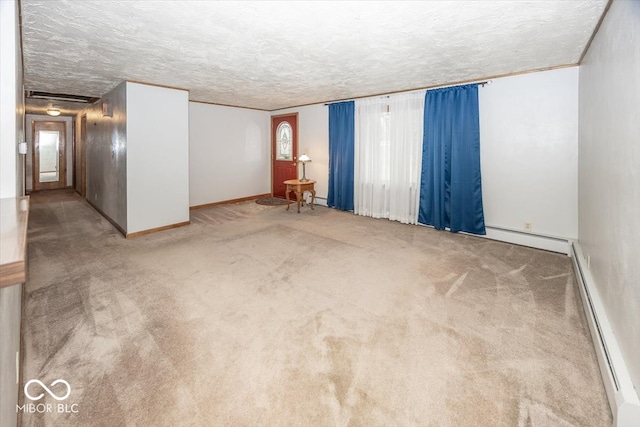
11,102
229,153
157,157
609,173
11,185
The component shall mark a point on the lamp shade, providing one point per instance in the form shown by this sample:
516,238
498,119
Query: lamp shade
53,112
304,158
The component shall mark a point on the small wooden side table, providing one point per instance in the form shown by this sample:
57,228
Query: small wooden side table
299,187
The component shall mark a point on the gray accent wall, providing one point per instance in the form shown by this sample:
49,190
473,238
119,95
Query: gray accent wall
107,155
609,172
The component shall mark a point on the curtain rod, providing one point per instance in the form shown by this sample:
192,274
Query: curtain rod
486,82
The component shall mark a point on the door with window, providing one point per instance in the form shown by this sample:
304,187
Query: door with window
49,160
284,141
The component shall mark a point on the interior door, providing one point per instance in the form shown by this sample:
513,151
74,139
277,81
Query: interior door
284,149
49,159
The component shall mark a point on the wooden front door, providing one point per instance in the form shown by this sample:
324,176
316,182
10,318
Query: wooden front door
49,156
284,149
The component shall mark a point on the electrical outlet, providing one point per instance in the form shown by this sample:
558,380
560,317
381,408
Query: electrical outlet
528,226
589,262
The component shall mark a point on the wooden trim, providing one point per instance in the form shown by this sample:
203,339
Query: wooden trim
74,135
157,85
275,116
33,155
21,28
120,229
155,230
68,187
13,264
517,73
83,155
229,202
62,159
595,31
137,233
13,273
21,347
296,146
462,82
230,105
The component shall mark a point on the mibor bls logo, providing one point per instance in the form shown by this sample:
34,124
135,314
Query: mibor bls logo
31,389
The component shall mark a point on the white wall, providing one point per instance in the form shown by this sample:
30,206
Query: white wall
11,101
68,146
229,153
313,139
529,152
11,185
609,172
10,308
157,157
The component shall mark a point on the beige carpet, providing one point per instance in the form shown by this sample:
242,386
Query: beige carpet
258,316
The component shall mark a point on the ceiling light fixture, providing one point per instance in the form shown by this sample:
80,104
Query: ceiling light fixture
55,112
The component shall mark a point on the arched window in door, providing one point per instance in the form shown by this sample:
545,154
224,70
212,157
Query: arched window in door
284,138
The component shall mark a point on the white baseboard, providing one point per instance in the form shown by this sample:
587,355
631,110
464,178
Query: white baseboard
622,396
548,243
320,201
538,241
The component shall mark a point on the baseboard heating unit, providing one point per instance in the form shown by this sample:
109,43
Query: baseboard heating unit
622,396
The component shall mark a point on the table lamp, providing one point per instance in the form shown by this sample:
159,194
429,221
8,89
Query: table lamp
304,159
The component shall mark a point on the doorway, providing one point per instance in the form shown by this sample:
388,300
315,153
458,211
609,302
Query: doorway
49,159
284,151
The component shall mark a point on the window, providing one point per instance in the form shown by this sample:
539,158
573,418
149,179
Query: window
284,138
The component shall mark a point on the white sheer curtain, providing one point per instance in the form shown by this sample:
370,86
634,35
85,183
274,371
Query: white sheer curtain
388,154
371,158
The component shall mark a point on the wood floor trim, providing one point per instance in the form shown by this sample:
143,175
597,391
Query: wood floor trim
116,225
137,233
228,202
157,229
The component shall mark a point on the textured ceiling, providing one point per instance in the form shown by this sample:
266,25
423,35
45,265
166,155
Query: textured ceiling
271,55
